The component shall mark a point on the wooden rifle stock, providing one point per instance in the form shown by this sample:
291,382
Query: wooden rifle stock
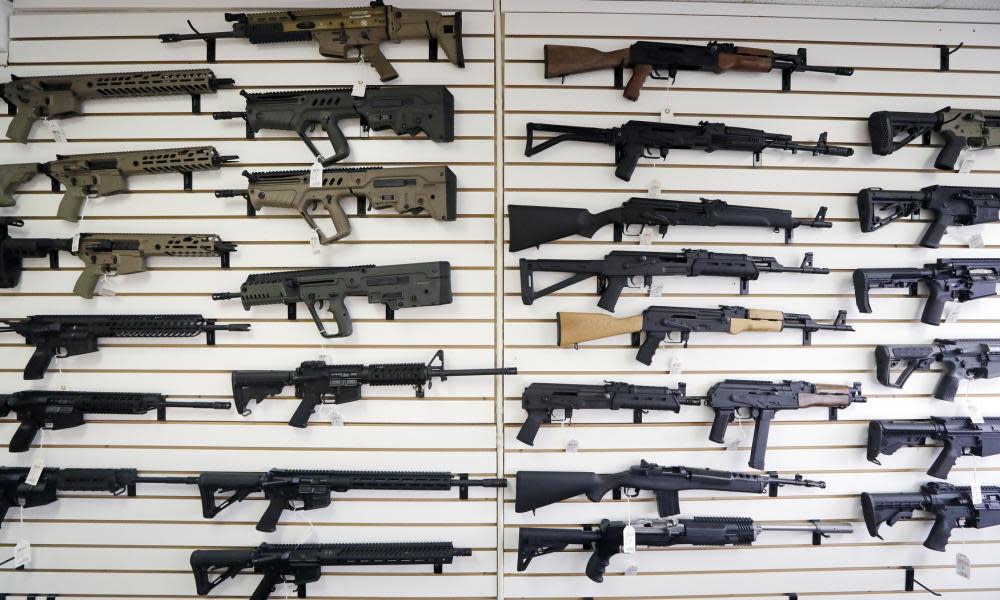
757,60
576,327
570,60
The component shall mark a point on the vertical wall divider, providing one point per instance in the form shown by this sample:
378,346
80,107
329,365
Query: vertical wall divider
498,212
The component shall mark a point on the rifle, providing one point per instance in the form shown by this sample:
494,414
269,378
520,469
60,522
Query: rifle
339,31
15,491
396,286
60,96
951,206
955,279
13,251
646,139
657,323
618,269
540,400
300,564
406,189
961,128
537,225
952,505
60,336
536,489
53,410
647,59
290,489
96,175
960,436
608,538
317,383
760,400
407,109
962,359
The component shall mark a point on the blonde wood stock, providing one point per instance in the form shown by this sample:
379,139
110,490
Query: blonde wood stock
575,327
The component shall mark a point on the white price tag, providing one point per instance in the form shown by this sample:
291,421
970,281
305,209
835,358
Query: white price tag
314,244
572,445
740,440
22,554
976,490
654,188
676,367
967,165
974,413
952,311
628,540
656,290
103,287
323,356
35,472
646,236
316,174
55,127
963,566
75,244
336,417
358,90
632,569
977,241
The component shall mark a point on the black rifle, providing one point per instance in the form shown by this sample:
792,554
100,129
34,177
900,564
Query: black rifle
301,564
618,269
536,225
955,279
962,359
15,492
646,139
59,336
407,109
536,489
608,538
960,436
13,251
40,409
951,206
539,400
961,128
290,489
952,506
317,383
761,400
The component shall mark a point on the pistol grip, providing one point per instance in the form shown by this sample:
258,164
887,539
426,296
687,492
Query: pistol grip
932,237
649,346
635,83
39,362
86,283
723,417
530,427
947,387
341,149
23,436
626,159
341,224
71,204
937,297
945,461
20,126
269,520
300,418
953,146
611,294
373,56
940,532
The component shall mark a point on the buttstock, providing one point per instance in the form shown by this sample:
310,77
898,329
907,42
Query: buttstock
575,327
570,60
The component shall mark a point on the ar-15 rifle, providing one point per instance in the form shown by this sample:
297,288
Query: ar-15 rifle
950,205
41,409
617,269
657,323
761,400
536,489
608,538
540,400
291,489
396,286
61,96
95,175
317,383
953,506
407,109
406,189
647,59
300,564
537,225
339,31
955,279
647,139
960,436
961,128
962,359
60,336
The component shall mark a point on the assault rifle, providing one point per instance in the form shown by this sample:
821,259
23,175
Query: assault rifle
60,96
407,109
953,506
647,59
60,336
962,359
541,400
618,269
340,31
316,382
406,189
955,279
301,564
647,139
960,436
536,489
396,286
537,225
40,409
657,323
608,537
961,128
950,205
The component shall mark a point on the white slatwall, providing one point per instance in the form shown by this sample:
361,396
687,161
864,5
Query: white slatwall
131,548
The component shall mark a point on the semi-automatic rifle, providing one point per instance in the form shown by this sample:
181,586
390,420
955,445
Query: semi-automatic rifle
959,436
950,206
961,359
961,128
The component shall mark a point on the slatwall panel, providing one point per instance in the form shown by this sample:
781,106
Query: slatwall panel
896,69
99,546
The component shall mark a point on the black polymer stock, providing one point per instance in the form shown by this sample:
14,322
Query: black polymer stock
959,436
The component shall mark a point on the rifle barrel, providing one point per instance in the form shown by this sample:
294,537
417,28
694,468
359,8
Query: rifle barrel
215,405
814,527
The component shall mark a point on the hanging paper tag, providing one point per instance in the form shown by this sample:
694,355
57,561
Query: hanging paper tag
646,236
632,569
952,311
972,408
967,165
676,367
654,188
977,241
628,539
336,417
103,287
656,290
572,445
35,472
358,91
316,174
740,439
963,566
314,244
75,244
55,127
22,554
